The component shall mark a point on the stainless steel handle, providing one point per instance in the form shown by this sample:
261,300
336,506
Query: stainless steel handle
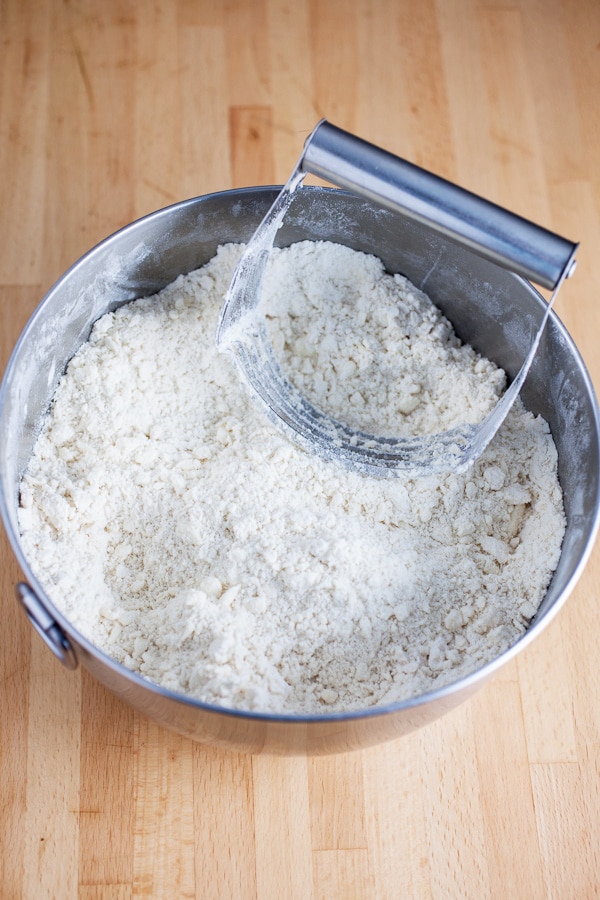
489,230
49,630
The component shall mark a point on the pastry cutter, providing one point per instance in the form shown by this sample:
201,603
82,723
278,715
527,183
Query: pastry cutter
485,228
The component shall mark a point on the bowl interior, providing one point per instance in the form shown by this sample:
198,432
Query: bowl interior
494,310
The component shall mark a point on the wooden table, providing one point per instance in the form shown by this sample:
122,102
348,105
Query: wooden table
111,109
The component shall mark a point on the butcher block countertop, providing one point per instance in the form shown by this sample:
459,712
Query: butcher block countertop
110,109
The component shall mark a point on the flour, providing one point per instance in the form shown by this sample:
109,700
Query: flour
186,537
372,350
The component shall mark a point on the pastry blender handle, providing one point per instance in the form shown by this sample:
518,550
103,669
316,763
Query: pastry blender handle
489,230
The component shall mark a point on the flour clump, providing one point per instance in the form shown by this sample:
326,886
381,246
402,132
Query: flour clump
186,537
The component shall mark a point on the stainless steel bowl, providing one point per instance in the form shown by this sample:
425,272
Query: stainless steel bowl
494,310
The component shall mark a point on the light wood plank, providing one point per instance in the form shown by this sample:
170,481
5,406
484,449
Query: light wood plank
247,53
282,828
567,799
106,794
513,125
337,818
164,813
551,73
383,90
452,807
293,96
428,115
23,140
395,820
224,825
512,849
334,61
51,772
14,706
582,650
548,716
462,62
251,132
342,873
206,158
156,136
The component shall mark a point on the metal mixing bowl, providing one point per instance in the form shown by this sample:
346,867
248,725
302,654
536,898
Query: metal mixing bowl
494,310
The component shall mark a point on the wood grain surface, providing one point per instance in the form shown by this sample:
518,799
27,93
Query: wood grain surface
110,109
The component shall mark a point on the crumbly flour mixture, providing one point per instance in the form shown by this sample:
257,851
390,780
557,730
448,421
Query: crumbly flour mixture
185,536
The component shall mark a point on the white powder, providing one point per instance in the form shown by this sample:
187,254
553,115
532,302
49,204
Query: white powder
184,535
370,349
